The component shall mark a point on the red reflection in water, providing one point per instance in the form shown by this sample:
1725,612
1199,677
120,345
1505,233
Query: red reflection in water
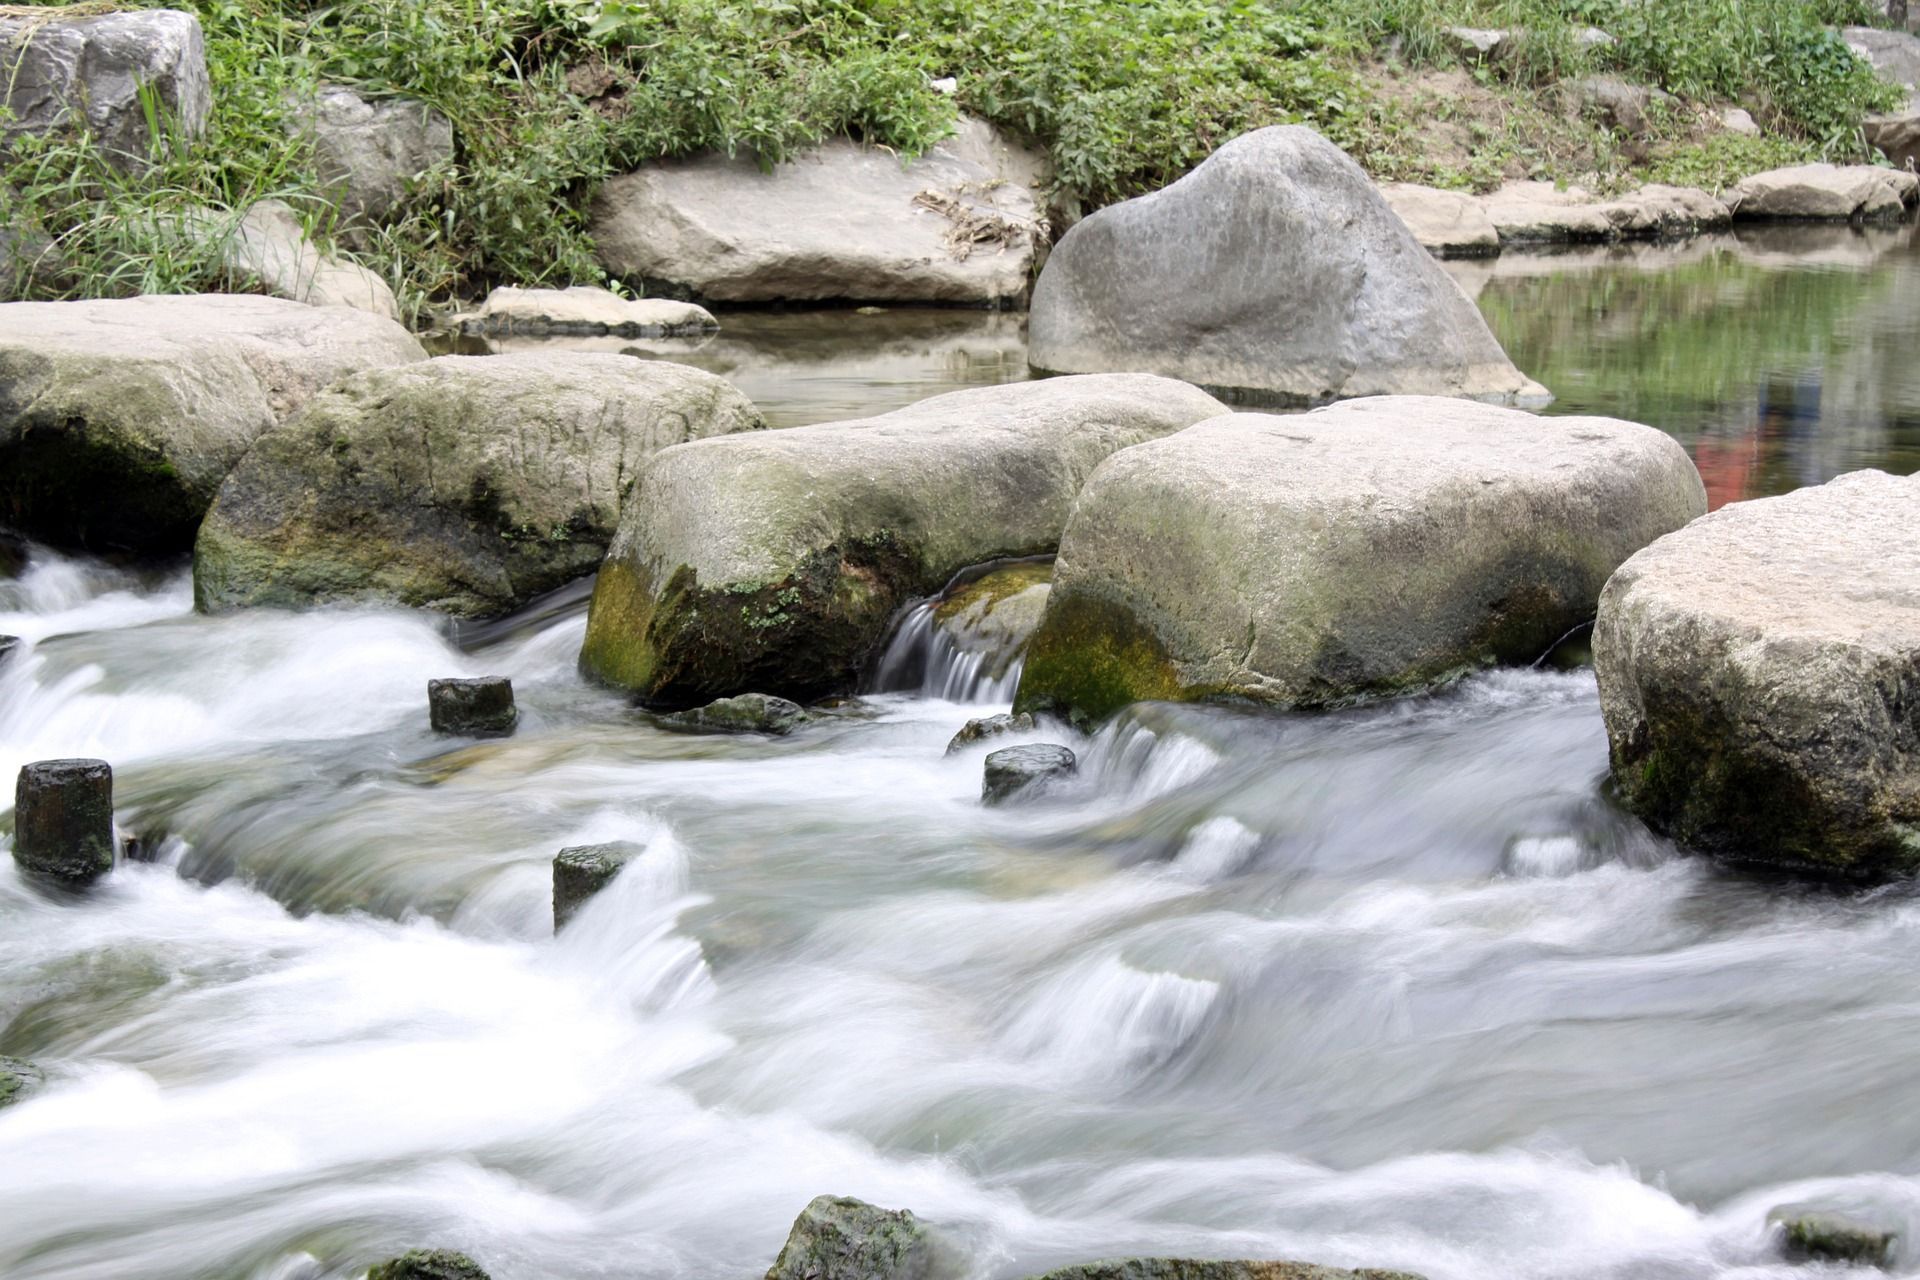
1729,466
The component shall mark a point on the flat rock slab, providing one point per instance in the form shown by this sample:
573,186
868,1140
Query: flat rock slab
1825,192
836,222
1373,547
585,311
773,562
1275,272
120,418
1541,213
466,484
1451,224
1757,673
72,75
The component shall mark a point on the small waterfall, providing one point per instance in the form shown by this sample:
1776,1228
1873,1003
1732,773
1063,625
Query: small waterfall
967,644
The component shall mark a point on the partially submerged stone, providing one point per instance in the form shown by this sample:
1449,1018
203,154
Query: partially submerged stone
1825,192
1833,1237
745,713
979,730
839,1238
773,561
1756,673
428,1264
97,74
584,311
466,484
18,1077
121,417
1450,224
582,871
1370,548
9,645
63,821
1275,271
1215,1269
1541,213
476,708
1012,771
369,152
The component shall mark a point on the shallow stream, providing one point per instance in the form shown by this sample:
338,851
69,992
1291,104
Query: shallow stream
1392,987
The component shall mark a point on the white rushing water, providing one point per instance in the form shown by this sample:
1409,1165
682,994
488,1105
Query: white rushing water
1393,987
927,659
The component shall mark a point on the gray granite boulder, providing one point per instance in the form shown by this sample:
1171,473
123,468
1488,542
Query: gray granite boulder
584,311
119,419
370,152
1274,271
1450,224
428,1264
1541,213
838,1238
1825,192
64,75
1895,56
1012,771
584,870
745,713
1369,548
1757,672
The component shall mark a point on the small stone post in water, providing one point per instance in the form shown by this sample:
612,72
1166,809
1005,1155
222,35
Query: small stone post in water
584,870
481,708
63,820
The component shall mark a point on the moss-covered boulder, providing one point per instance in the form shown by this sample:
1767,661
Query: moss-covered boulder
744,713
1832,1237
1757,673
428,1264
467,484
773,562
120,418
1215,1269
584,870
18,1078
839,1238
1370,548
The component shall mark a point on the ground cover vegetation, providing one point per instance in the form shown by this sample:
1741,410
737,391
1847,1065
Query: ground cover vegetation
548,97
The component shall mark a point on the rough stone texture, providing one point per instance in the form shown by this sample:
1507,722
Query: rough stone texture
1834,1237
369,153
1274,270
63,820
428,1264
1630,108
1825,191
775,561
585,311
1757,672
746,713
1209,1269
975,731
478,708
120,418
836,1238
1897,138
467,484
18,1077
1012,770
995,614
584,870
1539,213
267,248
1369,548
836,222
1737,120
1450,224
1895,55
87,73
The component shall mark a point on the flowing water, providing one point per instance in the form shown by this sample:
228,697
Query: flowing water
1395,986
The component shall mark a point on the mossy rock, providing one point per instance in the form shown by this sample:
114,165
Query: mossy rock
18,1077
428,1264
839,1238
1213,1269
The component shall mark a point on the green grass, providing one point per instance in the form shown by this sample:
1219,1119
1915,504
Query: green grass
550,96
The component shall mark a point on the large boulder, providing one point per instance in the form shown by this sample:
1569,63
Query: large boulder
467,484
1826,192
369,153
1895,56
1215,1269
1275,271
1757,672
428,1264
1450,224
1541,213
1366,549
1897,138
839,1238
773,562
269,248
836,222
120,418
88,74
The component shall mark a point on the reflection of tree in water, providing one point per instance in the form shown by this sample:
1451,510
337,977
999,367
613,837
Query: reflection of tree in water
1776,370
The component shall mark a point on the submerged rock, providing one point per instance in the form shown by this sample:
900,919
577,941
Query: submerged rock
1213,1269
774,561
478,708
467,484
1833,1237
988,727
120,418
840,221
584,870
1369,548
1451,224
18,1077
1012,770
1826,192
838,1238
99,73
1275,271
63,820
1757,672
369,152
746,713
428,1264
584,311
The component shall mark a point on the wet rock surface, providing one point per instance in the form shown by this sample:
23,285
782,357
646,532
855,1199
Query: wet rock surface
63,820
985,727
1014,771
475,708
18,1078
745,713
428,1264
1834,1237
839,1238
584,870
1214,1269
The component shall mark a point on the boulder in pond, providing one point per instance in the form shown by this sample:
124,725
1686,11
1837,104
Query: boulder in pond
466,484
369,153
745,713
1215,1269
1825,192
839,221
1450,224
120,418
428,1264
1369,548
1756,674
979,730
1013,771
584,311
97,74
1276,272
476,708
773,561
583,870
63,821
839,1238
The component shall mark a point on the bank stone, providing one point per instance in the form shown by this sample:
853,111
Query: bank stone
62,75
